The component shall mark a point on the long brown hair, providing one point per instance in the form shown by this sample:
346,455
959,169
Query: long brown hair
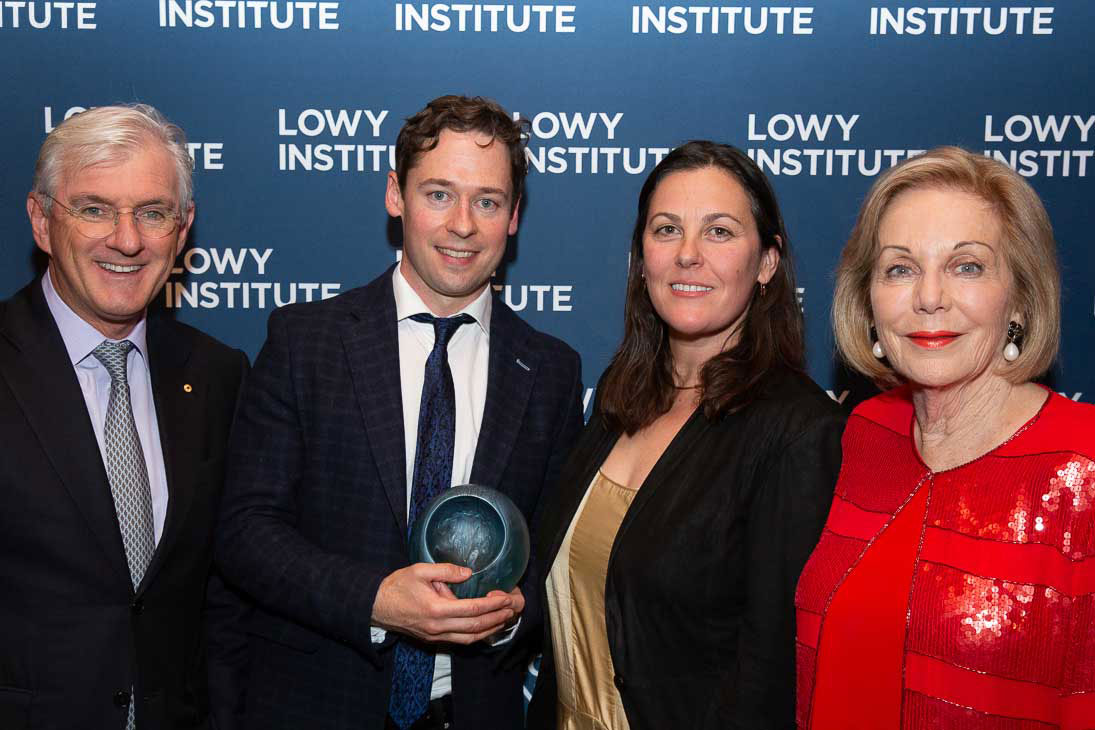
639,385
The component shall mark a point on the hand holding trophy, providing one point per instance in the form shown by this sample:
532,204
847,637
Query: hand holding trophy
476,527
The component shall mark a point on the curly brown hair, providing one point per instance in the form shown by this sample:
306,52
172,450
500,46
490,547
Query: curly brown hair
421,132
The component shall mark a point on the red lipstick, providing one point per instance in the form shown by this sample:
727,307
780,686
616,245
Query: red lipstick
933,340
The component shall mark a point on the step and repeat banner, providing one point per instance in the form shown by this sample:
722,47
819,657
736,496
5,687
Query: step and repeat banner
292,108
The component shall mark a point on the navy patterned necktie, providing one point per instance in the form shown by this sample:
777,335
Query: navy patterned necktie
126,471
413,674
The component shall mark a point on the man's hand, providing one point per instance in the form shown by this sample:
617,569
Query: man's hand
518,599
518,605
506,633
409,601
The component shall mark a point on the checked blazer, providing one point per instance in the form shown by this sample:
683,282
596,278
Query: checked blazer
74,635
314,516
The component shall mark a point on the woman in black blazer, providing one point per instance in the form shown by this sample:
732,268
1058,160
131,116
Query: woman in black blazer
702,481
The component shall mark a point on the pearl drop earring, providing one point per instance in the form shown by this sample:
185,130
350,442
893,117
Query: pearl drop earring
1015,338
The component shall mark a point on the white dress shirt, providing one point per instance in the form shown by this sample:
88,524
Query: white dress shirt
80,339
469,351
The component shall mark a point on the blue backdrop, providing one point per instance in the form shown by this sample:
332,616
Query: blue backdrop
293,108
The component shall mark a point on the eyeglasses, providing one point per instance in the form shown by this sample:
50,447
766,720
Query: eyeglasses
98,220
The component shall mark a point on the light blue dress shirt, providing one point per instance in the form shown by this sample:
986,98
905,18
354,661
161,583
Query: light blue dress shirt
80,339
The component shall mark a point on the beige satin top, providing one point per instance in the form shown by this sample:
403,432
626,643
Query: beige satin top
588,699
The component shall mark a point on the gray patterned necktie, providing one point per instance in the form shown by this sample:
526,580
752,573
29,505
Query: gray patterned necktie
127,472
125,467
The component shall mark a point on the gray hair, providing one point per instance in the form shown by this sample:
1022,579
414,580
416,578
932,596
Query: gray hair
110,135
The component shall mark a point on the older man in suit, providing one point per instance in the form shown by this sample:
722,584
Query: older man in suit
113,425
359,410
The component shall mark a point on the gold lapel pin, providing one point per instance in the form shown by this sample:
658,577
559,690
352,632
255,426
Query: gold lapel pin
187,388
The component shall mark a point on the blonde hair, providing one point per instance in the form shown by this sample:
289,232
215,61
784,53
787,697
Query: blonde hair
1029,250
110,135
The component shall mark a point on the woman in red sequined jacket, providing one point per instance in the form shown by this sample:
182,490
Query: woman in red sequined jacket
954,583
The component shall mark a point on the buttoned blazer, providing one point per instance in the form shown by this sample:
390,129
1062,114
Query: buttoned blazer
74,635
315,509
699,593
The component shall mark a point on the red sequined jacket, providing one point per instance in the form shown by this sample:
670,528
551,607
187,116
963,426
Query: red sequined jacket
999,607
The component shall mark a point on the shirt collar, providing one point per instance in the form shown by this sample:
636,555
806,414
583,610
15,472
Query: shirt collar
80,337
407,302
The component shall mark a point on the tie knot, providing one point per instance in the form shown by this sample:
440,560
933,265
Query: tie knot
113,357
443,327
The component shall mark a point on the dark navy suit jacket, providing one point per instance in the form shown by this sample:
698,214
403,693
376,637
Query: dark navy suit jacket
74,635
315,508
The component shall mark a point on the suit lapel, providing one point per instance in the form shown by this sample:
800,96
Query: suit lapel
681,444
176,417
371,340
36,366
573,487
511,373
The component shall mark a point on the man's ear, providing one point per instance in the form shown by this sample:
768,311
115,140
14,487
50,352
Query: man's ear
185,222
39,223
393,196
514,216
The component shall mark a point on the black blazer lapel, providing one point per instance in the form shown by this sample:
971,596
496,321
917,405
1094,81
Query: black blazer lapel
36,366
589,453
371,339
175,409
662,472
511,373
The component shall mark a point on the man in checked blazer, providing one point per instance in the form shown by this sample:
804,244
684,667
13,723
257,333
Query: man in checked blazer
322,472
113,427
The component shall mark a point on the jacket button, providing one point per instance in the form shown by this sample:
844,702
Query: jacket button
137,607
121,699
618,680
